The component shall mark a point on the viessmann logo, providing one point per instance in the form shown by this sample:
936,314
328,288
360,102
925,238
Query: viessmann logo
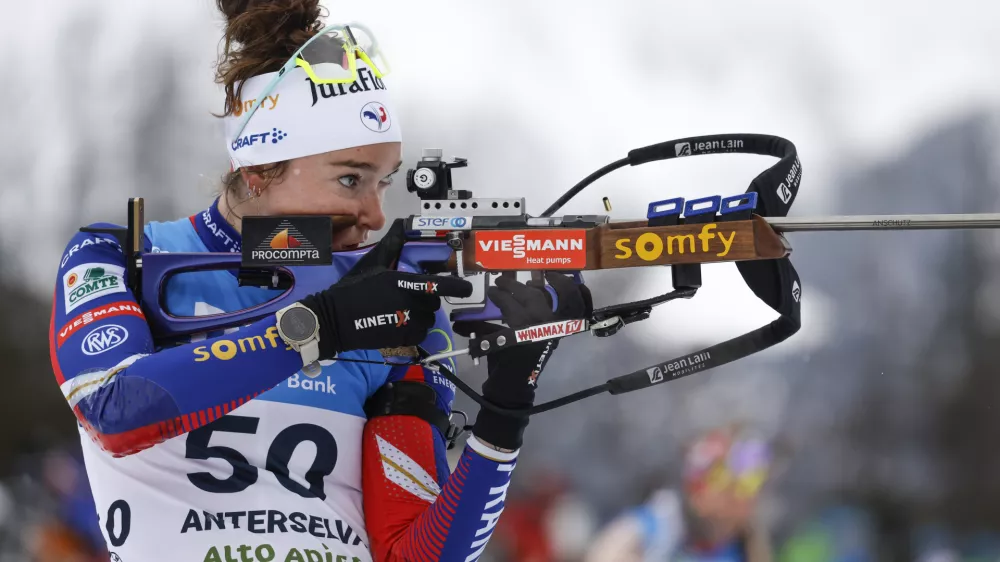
99,313
512,249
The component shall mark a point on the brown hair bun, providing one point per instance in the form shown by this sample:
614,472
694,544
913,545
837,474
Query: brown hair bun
260,36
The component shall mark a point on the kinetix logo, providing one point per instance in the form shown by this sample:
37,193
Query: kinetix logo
428,287
399,318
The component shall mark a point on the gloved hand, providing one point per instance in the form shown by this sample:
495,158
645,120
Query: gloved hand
513,373
374,307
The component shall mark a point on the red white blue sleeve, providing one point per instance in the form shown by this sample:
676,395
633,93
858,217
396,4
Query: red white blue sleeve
414,509
127,395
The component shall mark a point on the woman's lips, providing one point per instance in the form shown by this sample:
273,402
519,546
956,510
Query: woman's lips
348,241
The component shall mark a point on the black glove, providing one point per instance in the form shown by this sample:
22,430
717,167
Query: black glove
513,373
374,307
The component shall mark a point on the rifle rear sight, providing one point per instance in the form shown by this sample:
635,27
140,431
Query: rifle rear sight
431,179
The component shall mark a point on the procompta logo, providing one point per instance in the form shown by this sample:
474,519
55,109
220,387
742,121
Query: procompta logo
287,240
286,243
713,239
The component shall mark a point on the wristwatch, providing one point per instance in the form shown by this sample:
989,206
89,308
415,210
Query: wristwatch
299,328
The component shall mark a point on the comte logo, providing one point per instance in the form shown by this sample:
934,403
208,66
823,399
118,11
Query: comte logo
89,281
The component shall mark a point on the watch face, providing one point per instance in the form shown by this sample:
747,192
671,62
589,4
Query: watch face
298,324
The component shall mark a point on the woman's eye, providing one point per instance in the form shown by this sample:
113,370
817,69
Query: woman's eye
349,181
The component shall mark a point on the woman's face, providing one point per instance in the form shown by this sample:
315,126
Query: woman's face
343,182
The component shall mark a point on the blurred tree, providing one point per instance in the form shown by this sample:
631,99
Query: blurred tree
968,421
33,414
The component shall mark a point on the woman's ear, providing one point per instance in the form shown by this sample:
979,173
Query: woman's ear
250,181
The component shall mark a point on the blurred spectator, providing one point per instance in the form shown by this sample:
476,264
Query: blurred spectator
710,519
50,513
544,521
838,534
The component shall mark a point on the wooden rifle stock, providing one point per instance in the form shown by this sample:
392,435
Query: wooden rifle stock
634,244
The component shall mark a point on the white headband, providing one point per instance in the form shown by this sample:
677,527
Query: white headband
300,118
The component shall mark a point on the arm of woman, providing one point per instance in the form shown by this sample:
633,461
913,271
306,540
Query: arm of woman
416,509
127,396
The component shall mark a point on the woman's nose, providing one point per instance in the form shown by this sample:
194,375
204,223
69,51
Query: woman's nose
370,216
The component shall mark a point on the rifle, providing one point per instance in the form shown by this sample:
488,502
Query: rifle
455,233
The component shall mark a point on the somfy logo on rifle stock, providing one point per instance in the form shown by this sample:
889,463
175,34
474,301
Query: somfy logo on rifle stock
649,246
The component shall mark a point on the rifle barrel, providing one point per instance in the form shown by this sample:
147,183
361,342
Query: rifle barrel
885,222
